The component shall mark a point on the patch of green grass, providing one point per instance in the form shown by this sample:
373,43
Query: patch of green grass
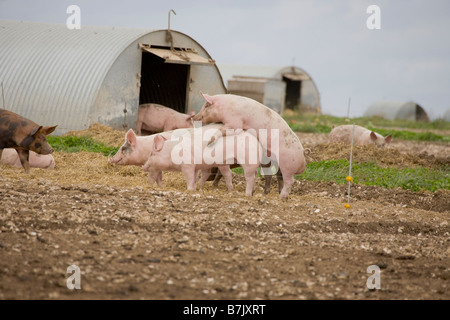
72,144
408,135
438,124
324,123
309,127
238,170
368,173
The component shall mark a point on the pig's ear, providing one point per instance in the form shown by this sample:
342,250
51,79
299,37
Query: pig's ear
131,137
158,143
373,136
388,139
208,98
47,130
35,130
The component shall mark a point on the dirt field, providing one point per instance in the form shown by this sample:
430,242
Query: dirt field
133,241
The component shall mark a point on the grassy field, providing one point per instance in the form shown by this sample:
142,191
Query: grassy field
369,173
325,123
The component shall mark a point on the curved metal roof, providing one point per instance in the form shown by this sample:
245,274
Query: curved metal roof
397,110
228,71
49,66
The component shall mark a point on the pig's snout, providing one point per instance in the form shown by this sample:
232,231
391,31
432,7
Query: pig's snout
44,151
115,160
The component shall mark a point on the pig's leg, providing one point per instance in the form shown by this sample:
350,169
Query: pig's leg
217,178
1,151
266,168
205,176
24,156
219,174
280,181
212,174
151,179
227,175
159,179
190,177
250,178
288,180
268,180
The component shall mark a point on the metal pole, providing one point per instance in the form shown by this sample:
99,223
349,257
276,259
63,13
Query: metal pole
350,178
169,37
171,10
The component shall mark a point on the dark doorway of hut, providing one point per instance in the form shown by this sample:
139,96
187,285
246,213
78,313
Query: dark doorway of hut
163,83
293,89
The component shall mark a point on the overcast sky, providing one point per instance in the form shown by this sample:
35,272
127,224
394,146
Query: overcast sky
407,59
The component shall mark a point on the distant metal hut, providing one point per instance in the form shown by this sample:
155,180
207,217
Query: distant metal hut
75,78
447,115
397,111
278,88
270,92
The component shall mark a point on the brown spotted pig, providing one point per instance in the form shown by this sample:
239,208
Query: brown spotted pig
23,135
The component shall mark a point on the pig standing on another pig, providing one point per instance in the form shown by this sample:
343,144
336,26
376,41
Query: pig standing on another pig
191,154
157,118
23,135
237,112
11,157
361,136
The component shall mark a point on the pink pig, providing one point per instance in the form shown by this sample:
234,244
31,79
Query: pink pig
11,157
192,154
157,118
237,112
361,136
136,150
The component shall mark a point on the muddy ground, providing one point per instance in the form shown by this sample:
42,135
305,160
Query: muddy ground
133,241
